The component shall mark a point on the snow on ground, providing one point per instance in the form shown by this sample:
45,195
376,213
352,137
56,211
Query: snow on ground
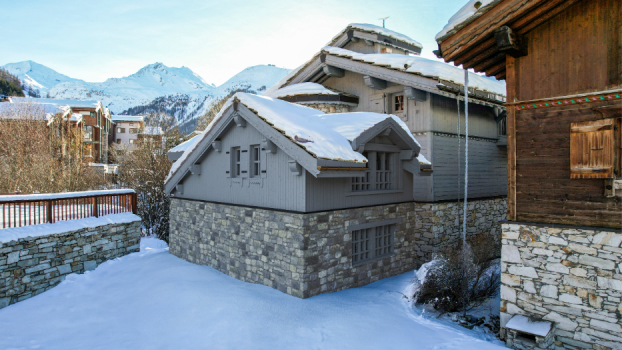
153,300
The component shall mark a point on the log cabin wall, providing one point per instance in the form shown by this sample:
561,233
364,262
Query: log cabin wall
576,52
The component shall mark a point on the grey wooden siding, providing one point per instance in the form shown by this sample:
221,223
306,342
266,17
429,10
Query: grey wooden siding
445,110
279,189
487,168
331,193
423,186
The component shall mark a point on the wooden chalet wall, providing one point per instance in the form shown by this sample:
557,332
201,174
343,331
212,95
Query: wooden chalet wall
579,51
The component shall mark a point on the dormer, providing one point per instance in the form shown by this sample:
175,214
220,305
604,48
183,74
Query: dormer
368,38
319,97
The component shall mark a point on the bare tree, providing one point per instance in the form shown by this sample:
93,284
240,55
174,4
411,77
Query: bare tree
41,155
145,167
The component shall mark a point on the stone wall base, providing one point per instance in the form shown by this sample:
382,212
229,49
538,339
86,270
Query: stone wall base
32,265
306,254
570,276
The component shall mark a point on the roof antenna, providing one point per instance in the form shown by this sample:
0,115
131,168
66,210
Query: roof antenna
383,19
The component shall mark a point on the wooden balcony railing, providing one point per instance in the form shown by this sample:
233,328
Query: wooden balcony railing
34,209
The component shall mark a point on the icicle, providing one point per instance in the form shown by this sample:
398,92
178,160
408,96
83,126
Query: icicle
466,152
459,155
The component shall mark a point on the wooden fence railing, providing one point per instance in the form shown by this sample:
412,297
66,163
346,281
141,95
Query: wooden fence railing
33,209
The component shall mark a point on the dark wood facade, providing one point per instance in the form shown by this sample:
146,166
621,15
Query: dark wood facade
570,76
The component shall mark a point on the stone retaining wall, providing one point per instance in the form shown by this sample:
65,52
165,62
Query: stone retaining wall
32,265
570,276
309,254
329,107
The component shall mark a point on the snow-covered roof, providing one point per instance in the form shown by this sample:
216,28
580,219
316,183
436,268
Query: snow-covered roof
324,136
371,28
182,147
466,15
524,324
303,89
422,66
127,118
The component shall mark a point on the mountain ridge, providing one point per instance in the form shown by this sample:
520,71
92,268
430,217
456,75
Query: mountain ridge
154,84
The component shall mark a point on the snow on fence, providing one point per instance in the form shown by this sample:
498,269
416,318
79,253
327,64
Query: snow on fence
34,209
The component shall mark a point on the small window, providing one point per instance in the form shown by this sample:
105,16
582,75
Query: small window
88,133
93,114
118,140
386,50
255,161
133,131
236,155
398,103
380,175
120,130
372,243
132,141
592,149
131,124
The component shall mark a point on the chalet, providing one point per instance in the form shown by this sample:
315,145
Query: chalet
126,129
366,68
306,202
561,245
91,116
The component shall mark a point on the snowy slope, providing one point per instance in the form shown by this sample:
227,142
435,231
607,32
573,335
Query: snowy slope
179,91
37,75
154,300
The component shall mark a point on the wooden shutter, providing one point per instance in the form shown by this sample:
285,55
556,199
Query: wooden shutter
592,149
245,162
263,163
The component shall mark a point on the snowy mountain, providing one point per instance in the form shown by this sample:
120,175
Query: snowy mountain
37,75
179,91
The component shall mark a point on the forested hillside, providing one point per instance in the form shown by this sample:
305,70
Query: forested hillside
10,84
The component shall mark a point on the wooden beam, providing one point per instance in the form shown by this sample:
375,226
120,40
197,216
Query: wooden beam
482,66
496,69
510,42
375,83
511,83
369,43
415,94
333,71
481,52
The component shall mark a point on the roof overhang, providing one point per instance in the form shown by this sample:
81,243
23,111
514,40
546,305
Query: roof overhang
357,34
483,42
318,98
314,72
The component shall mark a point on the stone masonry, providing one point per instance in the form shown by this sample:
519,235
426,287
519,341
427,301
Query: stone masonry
569,276
309,254
329,107
32,265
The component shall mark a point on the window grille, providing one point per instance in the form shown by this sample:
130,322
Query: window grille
380,175
399,103
372,243
383,171
133,131
256,160
237,156
120,130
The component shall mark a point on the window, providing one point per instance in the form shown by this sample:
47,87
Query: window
592,149
121,130
118,140
380,175
237,156
133,131
369,243
132,141
386,50
131,124
255,161
88,133
398,103
93,114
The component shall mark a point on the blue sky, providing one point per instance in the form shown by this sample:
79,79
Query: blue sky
96,40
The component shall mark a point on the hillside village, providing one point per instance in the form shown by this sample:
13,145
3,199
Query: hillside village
369,198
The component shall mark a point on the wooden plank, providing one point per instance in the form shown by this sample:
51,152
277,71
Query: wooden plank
511,82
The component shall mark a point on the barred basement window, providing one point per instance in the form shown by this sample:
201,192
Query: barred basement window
372,242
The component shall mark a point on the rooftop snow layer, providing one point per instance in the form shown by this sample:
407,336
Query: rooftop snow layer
127,118
301,122
182,147
422,66
523,324
303,89
365,27
465,15
323,136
